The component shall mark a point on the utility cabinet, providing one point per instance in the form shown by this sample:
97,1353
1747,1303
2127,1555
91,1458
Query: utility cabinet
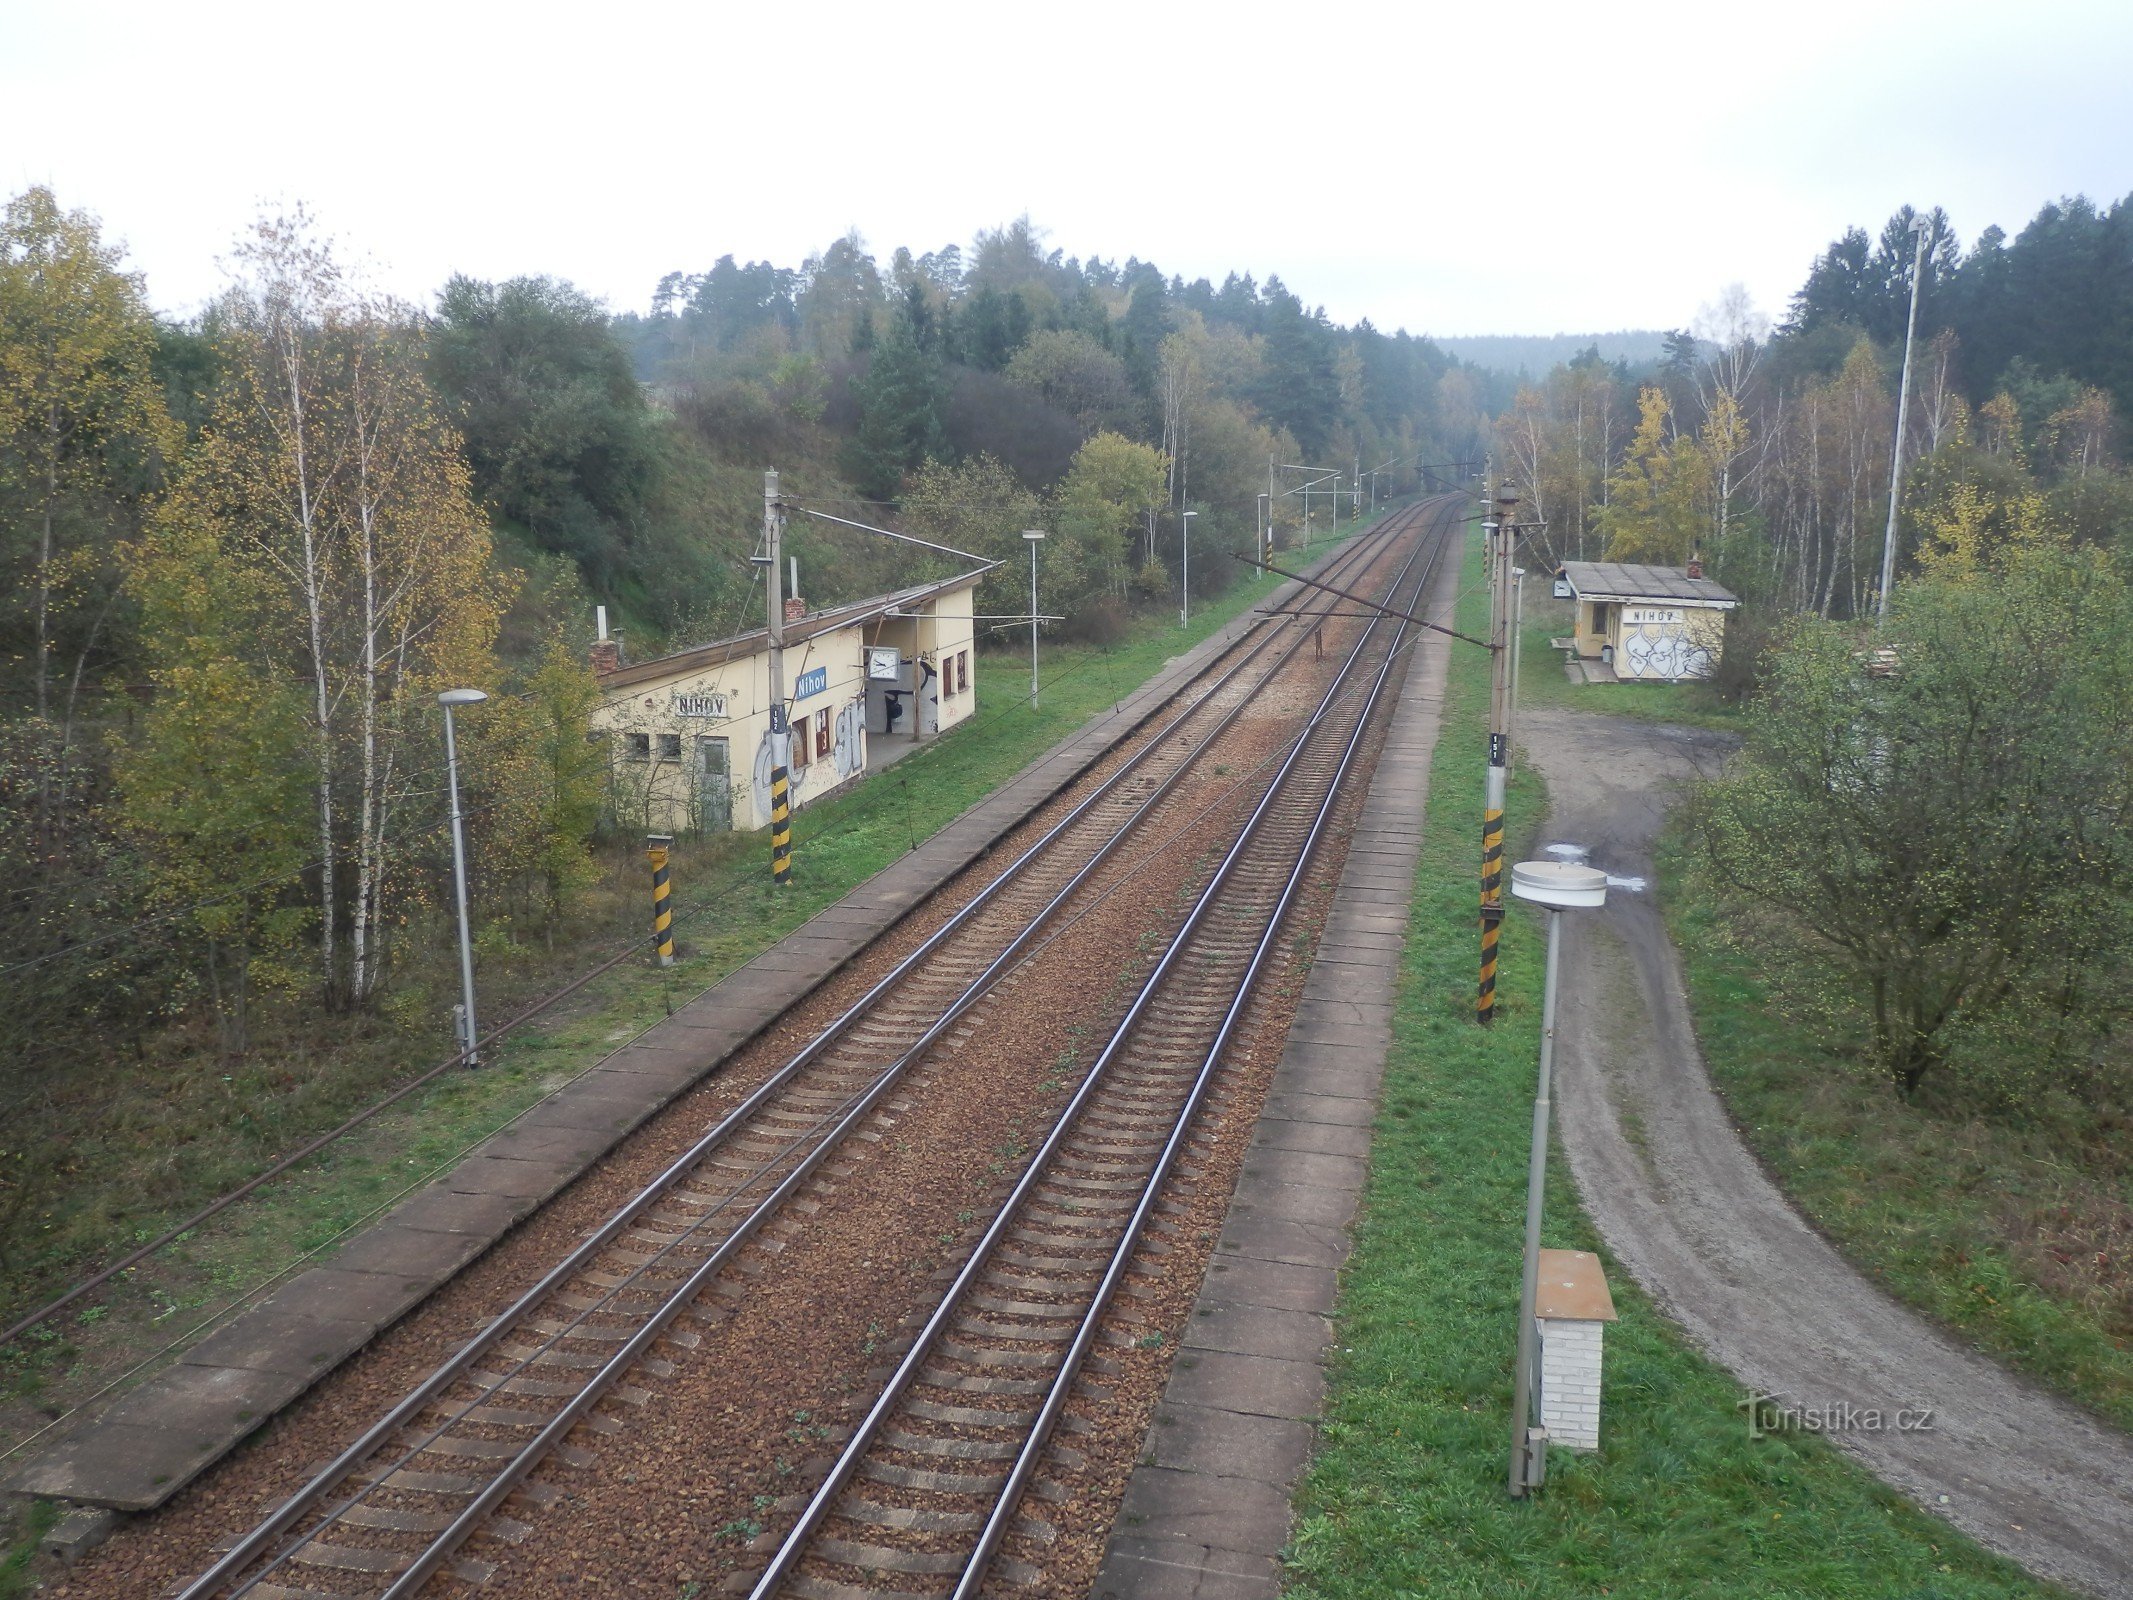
1571,1310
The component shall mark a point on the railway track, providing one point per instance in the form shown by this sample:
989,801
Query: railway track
931,1481
394,1508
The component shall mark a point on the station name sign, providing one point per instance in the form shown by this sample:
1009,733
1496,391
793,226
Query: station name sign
813,681
1656,616
701,703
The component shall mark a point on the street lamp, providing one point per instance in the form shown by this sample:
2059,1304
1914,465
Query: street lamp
467,1033
1923,227
1033,535
1185,562
1558,886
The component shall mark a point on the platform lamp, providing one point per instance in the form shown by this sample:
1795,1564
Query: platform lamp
1185,566
1033,535
1556,886
467,1031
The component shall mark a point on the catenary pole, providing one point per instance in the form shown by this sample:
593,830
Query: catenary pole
1499,534
780,729
1923,227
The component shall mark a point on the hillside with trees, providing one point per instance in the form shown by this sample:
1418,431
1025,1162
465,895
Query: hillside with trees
244,550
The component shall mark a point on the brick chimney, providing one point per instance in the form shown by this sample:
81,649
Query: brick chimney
795,608
1695,563
606,657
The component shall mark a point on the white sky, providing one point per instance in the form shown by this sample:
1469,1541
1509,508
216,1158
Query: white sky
1527,168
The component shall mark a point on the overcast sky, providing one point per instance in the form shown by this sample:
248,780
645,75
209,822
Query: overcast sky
1535,168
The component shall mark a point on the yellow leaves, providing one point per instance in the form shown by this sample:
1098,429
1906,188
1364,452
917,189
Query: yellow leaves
1656,499
1977,532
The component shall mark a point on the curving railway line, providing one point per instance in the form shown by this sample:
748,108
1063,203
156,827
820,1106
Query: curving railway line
924,1496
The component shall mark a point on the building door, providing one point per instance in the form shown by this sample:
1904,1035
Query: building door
714,785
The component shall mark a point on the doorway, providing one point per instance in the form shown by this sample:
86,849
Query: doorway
714,785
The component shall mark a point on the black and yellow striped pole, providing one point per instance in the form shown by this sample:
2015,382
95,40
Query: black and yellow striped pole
1497,532
780,798
655,847
780,727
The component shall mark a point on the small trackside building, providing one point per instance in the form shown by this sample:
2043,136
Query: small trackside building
688,735
1647,624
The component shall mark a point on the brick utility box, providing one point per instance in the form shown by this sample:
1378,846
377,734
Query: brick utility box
1571,1308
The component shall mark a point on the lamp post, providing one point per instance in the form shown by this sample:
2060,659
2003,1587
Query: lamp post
1185,566
1033,535
1266,532
467,1031
1558,886
1923,227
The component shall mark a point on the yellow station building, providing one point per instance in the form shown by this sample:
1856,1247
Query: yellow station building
688,735
1641,624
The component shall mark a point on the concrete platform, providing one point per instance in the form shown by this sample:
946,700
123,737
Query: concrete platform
142,1449
1206,1514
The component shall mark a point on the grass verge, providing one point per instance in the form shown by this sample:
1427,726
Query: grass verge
150,1144
1406,1495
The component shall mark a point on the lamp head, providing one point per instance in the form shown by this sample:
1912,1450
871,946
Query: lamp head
1559,885
462,697
1032,534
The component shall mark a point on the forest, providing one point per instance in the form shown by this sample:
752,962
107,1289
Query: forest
1769,449
246,548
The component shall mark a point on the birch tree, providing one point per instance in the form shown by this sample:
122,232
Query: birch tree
327,476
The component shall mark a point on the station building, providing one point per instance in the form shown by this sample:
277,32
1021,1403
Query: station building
688,735
1640,624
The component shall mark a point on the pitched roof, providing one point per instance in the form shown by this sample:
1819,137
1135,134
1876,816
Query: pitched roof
742,645
1631,580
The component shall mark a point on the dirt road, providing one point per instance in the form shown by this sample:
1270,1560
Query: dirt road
1686,1208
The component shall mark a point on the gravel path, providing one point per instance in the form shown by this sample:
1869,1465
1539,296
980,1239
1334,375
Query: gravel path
1687,1209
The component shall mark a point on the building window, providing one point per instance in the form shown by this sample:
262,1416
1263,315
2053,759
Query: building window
670,747
802,753
640,747
822,733
962,672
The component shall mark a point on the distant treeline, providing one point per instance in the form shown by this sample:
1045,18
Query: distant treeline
1535,355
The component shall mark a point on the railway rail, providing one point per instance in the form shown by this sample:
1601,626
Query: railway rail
931,1480
396,1506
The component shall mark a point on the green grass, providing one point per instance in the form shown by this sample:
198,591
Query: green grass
1406,1496
27,1525
1542,681
175,1126
2015,1231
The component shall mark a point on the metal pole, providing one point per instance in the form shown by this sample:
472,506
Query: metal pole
1499,535
780,729
1536,1182
1923,227
1518,629
468,1030
1033,624
1185,562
